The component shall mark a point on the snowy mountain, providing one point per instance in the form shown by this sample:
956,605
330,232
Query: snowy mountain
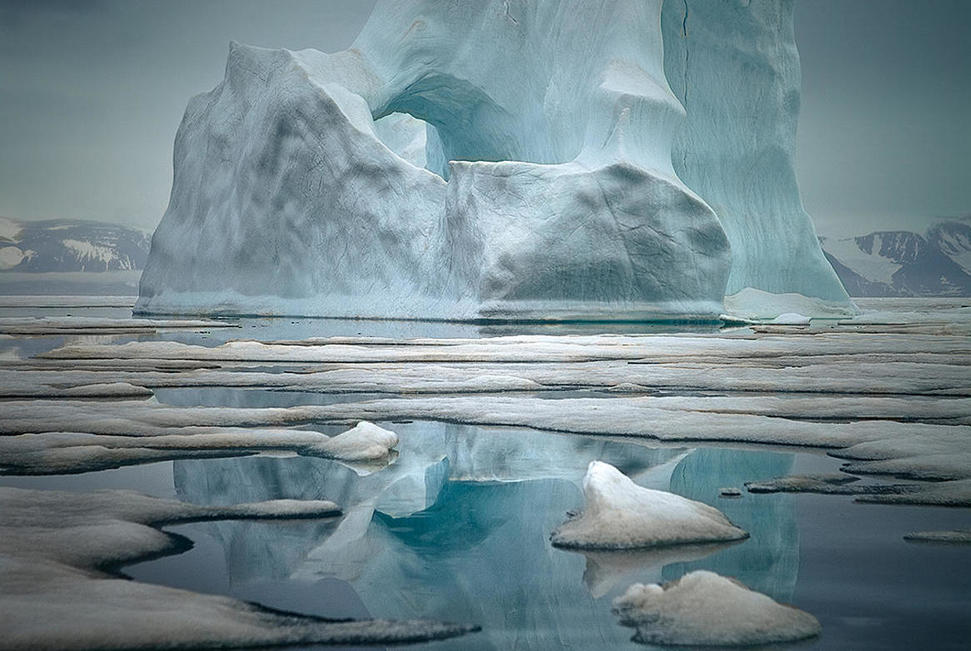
902,263
953,238
70,245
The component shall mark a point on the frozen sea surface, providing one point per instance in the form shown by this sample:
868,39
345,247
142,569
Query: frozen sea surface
457,527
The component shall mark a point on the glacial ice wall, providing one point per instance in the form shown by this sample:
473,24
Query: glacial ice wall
734,66
545,190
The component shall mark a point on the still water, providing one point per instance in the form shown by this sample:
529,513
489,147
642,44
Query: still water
457,529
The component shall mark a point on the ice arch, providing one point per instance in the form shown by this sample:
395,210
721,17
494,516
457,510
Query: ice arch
552,122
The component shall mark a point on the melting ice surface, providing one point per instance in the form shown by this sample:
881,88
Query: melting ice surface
458,529
462,535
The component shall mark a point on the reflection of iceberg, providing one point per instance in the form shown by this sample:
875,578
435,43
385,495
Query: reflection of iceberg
459,525
769,562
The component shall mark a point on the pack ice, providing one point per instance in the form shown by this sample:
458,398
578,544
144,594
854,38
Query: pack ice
500,159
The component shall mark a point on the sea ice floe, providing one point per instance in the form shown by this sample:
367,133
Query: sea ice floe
63,325
879,379
20,389
56,452
705,609
956,536
58,589
947,493
534,348
619,514
606,416
364,442
831,484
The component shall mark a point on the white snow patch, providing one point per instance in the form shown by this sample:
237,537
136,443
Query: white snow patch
872,266
88,251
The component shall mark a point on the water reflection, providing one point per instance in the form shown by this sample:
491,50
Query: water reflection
457,528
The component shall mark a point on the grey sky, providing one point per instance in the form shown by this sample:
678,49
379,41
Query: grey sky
92,92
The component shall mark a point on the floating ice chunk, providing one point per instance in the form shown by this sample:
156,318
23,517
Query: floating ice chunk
957,536
831,484
756,304
792,319
95,390
948,493
619,514
56,452
364,442
705,609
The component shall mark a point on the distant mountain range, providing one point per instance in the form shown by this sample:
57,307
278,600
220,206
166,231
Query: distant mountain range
70,245
902,263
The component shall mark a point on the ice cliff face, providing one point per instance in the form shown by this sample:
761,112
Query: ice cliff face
533,180
735,68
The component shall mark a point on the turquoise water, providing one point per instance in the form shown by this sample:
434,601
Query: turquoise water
456,531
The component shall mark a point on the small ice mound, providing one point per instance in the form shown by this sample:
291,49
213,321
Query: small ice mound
364,442
619,514
705,609
792,319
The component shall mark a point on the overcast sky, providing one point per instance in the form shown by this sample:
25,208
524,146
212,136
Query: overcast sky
92,92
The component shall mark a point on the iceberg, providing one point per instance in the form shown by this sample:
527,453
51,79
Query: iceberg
495,160
735,68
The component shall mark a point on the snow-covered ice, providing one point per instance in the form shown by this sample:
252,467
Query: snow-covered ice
61,451
58,589
619,514
364,442
705,609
